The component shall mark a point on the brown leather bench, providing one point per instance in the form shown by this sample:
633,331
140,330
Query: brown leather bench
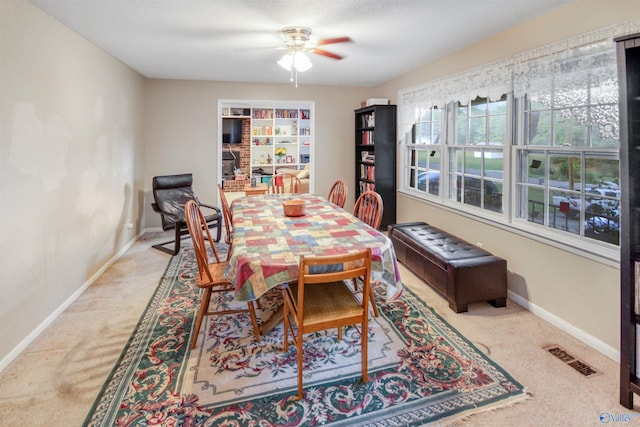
461,272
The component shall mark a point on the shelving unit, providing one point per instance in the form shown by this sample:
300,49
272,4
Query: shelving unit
375,142
628,53
280,137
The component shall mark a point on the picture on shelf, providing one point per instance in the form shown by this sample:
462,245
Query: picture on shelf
289,159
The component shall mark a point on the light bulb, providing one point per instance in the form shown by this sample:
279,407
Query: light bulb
301,62
286,61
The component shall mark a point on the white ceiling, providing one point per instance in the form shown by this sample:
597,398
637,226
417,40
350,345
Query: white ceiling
236,40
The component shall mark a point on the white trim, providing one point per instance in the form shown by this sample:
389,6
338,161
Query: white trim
579,334
58,311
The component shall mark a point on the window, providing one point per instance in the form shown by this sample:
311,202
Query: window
568,167
424,155
535,149
476,154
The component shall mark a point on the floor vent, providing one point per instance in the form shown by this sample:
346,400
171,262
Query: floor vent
567,358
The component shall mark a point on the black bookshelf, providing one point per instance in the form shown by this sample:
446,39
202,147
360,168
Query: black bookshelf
376,156
628,54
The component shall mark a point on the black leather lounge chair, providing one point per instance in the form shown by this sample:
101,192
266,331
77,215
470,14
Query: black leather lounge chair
171,193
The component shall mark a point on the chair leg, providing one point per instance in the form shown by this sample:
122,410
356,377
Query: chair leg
285,346
364,336
254,320
219,231
178,235
204,305
372,298
176,241
229,250
300,357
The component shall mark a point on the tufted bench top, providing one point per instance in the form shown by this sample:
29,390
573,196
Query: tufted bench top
461,272
435,244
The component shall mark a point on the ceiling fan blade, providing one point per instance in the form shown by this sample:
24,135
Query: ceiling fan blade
257,48
325,53
333,40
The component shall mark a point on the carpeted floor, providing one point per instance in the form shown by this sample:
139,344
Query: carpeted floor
420,369
56,379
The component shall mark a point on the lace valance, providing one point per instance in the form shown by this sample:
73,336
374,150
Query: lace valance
564,74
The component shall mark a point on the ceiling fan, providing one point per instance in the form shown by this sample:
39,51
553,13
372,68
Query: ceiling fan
298,39
297,42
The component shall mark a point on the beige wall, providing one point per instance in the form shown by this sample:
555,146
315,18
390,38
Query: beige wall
576,293
71,152
181,130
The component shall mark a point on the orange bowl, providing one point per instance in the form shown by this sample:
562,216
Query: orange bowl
293,207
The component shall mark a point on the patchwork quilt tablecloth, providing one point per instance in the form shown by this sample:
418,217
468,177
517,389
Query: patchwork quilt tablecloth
267,244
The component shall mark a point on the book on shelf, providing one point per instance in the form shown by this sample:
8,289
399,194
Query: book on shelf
262,130
367,172
286,114
305,114
367,137
368,156
261,114
368,120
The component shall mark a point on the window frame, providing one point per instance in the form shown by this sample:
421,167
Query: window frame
430,150
460,176
579,197
508,218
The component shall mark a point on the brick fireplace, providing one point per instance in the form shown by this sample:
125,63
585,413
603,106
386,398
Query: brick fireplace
240,154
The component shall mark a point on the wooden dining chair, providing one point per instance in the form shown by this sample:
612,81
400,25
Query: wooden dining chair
228,220
295,185
276,184
284,183
292,183
338,193
321,301
210,271
369,208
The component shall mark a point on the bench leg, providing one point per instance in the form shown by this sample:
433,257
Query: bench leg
500,302
462,308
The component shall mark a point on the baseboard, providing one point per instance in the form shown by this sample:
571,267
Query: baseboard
590,340
46,322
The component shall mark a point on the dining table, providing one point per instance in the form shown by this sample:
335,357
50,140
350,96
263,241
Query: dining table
267,244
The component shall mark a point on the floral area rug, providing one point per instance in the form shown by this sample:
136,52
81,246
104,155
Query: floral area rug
421,370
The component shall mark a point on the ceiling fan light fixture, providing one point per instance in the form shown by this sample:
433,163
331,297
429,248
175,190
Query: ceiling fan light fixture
286,61
295,61
298,60
301,62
